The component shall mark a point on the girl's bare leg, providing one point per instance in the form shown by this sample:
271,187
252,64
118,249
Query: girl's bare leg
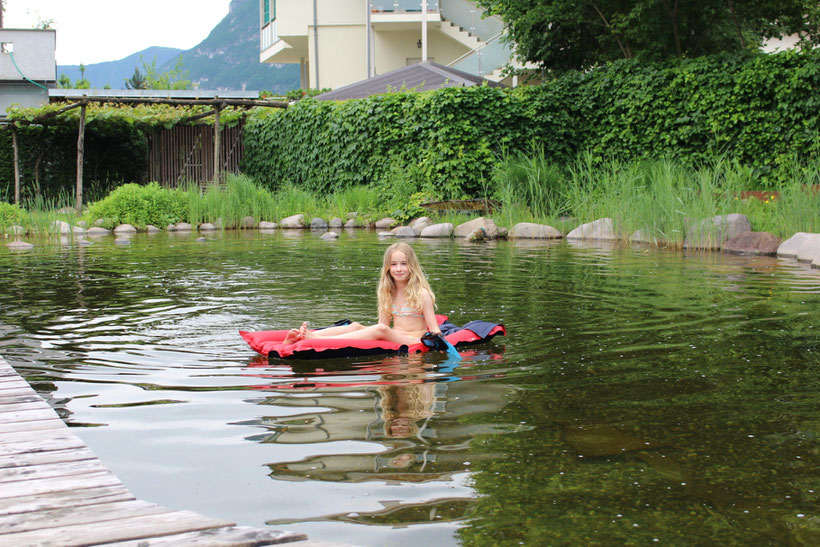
373,332
329,332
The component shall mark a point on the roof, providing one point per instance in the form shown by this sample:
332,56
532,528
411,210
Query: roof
418,77
153,93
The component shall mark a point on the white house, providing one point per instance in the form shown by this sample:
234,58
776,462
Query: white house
339,42
28,67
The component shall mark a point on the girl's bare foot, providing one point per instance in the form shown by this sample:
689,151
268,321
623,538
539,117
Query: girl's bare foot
292,336
306,333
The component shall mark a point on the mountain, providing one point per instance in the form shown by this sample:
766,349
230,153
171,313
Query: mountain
227,59
114,73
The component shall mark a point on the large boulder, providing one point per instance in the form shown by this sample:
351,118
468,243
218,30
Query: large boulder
181,227
265,225
421,223
336,222
350,223
531,230
753,243
151,229
128,229
714,232
293,222
207,227
329,236
318,224
601,229
405,231
246,223
61,227
444,229
19,245
487,224
96,231
386,223
805,247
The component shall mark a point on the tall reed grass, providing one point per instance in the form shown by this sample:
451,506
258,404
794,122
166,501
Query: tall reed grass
660,197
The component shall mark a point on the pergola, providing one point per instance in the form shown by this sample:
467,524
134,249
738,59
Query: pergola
81,102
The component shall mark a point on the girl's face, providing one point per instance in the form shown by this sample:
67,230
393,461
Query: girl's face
399,269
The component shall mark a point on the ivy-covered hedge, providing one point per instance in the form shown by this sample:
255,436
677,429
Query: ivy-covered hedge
759,109
444,141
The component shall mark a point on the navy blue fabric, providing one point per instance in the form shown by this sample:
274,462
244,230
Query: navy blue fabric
481,328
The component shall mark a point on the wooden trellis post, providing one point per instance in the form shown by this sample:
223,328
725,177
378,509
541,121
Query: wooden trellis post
217,144
80,150
16,164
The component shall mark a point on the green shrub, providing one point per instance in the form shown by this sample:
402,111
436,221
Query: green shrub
10,215
139,206
760,110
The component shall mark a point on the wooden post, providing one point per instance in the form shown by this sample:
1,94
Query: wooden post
16,164
80,149
217,146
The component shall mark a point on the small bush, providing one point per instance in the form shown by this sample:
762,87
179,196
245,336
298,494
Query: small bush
10,215
139,206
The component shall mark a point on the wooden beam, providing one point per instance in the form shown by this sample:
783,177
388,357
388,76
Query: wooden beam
48,115
187,102
16,164
80,152
217,111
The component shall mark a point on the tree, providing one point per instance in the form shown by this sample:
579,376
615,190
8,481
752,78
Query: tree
576,34
64,82
136,81
154,79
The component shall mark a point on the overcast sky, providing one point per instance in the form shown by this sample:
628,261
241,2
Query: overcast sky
92,31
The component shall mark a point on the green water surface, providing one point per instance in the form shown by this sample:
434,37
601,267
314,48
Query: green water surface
641,396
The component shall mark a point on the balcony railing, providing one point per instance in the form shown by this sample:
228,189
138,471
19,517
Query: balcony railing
268,36
487,57
402,6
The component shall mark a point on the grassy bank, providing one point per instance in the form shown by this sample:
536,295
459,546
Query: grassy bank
658,196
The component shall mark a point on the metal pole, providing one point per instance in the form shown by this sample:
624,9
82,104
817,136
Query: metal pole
80,151
423,31
367,37
316,45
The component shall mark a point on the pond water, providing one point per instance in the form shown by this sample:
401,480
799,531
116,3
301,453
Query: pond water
640,396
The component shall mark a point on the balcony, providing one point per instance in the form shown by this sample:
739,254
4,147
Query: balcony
402,6
268,36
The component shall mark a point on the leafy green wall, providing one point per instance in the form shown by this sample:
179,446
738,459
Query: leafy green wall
759,109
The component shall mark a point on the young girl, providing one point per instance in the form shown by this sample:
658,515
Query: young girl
405,297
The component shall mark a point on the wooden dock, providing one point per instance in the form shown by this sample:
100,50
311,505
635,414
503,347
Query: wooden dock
55,491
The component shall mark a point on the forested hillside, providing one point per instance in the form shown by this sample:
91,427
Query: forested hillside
227,59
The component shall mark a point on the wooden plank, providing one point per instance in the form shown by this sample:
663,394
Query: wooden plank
26,416
42,458
66,498
221,537
64,516
50,470
36,487
38,405
124,529
61,441
19,397
35,437
53,423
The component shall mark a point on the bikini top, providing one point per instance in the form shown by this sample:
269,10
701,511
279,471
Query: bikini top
405,311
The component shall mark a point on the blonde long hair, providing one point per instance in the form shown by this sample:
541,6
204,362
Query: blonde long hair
415,284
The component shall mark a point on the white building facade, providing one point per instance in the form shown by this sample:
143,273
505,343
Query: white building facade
28,67
339,42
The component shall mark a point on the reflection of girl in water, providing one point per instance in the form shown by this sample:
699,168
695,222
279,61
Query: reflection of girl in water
404,405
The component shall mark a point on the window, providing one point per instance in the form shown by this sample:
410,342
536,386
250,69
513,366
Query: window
270,10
